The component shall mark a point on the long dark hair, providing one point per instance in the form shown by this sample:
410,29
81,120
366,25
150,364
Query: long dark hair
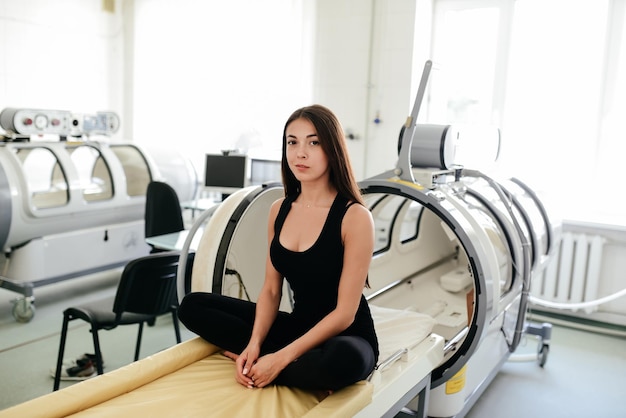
333,142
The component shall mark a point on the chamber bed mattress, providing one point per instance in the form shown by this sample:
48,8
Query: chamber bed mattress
194,379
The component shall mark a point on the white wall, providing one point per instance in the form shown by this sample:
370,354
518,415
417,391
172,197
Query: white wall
364,69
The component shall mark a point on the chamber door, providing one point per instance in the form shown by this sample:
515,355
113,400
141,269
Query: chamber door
428,258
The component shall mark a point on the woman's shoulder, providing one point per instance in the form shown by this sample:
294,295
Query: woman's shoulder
275,207
358,225
278,202
357,213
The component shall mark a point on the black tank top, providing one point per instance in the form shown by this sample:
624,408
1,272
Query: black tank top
314,274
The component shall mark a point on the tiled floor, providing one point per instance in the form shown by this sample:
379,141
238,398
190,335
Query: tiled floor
584,375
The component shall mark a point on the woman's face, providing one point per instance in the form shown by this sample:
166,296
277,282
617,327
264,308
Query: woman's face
305,156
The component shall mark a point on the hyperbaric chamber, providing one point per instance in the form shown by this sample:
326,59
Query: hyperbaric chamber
82,201
457,245
453,252
457,253
54,187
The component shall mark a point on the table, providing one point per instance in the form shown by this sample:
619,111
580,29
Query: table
175,240
199,205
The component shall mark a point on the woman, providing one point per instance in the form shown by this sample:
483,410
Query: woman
321,239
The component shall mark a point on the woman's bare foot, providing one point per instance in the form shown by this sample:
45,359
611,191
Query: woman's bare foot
230,355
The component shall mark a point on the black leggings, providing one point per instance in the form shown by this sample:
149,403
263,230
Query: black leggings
227,322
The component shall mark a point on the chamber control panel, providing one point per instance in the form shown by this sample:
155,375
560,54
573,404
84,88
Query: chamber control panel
102,123
24,123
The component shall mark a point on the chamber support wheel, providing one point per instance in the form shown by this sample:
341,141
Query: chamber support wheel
544,332
542,355
24,309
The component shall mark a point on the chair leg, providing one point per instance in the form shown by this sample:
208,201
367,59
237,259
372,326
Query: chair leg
96,347
138,346
57,374
176,326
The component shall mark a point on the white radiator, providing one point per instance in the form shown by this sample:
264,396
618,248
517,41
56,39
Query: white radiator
573,273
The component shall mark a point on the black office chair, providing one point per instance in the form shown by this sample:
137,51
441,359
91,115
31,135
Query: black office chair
147,289
163,213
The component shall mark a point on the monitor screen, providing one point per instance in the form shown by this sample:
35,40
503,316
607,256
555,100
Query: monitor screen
225,171
264,171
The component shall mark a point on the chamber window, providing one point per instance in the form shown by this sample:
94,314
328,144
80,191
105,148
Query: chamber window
410,223
388,215
135,168
47,182
96,182
498,240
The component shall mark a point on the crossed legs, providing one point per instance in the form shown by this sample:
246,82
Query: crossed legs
227,322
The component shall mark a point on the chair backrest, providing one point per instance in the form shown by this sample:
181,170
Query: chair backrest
148,284
163,213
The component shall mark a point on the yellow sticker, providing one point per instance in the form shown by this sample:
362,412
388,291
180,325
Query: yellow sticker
407,183
456,382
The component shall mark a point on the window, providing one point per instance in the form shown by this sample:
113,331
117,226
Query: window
47,182
135,168
462,81
386,211
95,178
552,75
230,50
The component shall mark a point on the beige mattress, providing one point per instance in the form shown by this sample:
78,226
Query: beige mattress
193,379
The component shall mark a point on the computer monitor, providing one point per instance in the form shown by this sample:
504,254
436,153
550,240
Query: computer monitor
225,173
264,171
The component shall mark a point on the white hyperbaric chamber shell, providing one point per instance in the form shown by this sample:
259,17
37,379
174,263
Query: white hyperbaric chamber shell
422,238
55,187
79,199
